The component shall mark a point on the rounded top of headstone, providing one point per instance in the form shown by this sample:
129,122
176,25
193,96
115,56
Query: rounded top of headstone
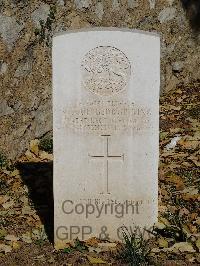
105,70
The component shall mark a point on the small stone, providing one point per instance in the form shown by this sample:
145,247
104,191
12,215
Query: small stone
167,14
9,30
133,3
43,119
40,14
115,5
177,66
18,106
152,3
3,68
5,109
80,4
60,2
99,10
23,69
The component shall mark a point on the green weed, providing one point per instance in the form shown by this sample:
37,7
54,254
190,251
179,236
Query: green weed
136,250
46,144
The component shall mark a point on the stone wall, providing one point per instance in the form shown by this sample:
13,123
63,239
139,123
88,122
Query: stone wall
26,29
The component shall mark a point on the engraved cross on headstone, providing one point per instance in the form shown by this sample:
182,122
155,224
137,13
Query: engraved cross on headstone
106,158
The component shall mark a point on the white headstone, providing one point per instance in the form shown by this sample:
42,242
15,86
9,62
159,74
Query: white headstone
106,132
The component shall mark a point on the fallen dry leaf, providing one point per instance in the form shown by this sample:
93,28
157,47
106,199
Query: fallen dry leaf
26,237
11,238
16,245
95,260
45,156
8,204
163,243
198,244
34,146
5,248
93,241
182,247
107,246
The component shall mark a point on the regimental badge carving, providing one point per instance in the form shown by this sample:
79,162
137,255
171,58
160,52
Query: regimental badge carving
105,71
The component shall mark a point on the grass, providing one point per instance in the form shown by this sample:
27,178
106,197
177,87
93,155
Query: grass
46,144
176,229
45,31
136,250
78,246
41,237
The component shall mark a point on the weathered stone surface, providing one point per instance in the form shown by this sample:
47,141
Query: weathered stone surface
115,5
152,3
60,2
177,66
133,3
5,109
9,30
3,68
41,13
24,88
43,119
24,68
167,14
83,3
99,11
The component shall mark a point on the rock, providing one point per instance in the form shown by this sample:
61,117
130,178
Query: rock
133,3
99,10
60,2
115,5
9,30
3,68
41,13
167,14
43,119
177,66
80,4
5,109
170,2
24,68
152,3
18,106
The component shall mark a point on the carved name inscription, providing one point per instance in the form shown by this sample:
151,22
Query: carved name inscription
105,70
107,117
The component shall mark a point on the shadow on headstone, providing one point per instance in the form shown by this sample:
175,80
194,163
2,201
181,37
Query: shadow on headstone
192,8
38,177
